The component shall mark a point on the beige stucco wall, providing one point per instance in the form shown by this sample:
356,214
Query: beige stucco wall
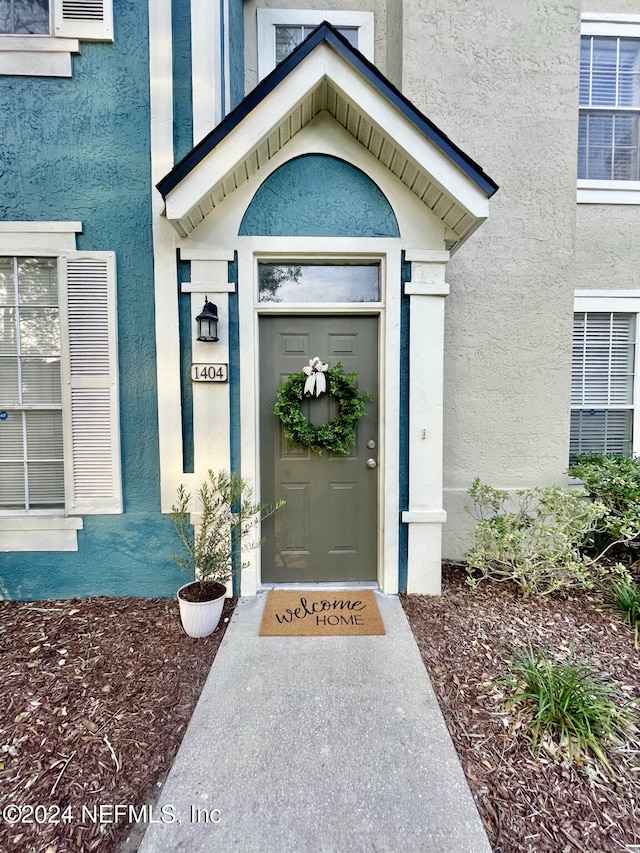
507,94
393,37
620,7
607,240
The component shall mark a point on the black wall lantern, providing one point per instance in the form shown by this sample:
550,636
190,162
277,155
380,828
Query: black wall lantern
207,322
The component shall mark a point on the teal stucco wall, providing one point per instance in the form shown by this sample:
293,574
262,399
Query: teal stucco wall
78,149
236,52
321,196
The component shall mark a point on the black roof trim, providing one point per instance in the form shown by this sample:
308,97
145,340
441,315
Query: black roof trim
325,32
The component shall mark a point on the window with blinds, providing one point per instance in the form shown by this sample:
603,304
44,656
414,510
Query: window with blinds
602,383
59,398
31,441
608,138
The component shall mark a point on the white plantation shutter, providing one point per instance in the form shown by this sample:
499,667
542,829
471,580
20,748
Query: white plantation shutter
602,382
91,20
90,384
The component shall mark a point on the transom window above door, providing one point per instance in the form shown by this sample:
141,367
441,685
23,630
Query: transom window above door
305,283
281,30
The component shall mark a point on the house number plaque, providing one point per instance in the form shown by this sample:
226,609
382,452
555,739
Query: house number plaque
209,372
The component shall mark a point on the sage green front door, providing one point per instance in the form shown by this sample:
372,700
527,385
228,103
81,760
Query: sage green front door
328,529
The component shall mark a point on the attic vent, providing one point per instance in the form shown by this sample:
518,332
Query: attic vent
83,10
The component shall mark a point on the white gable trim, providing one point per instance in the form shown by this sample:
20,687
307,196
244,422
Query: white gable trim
325,82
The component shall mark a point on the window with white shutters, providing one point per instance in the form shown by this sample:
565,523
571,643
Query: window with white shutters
31,447
38,37
603,382
85,19
59,425
24,17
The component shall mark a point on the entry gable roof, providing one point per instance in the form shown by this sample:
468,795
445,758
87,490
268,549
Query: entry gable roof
325,73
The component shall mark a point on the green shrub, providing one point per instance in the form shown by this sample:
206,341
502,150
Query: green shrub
625,596
570,703
613,481
537,543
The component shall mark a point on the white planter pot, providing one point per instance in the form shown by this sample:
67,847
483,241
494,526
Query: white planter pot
200,618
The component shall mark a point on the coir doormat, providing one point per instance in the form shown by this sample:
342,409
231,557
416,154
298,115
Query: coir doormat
320,614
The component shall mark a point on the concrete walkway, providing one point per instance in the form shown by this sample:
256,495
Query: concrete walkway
316,745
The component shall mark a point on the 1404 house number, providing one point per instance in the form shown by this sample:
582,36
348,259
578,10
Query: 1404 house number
209,372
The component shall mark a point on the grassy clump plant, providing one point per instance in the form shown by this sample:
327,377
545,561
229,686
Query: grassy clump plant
625,596
569,703
533,538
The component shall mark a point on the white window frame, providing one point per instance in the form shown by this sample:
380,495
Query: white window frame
56,530
619,302
609,192
269,19
50,55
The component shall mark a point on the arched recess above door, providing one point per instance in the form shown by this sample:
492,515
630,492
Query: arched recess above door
317,195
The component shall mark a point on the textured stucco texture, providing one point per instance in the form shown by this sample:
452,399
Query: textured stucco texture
507,95
607,246
320,196
70,149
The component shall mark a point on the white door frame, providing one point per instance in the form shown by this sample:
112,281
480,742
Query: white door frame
305,249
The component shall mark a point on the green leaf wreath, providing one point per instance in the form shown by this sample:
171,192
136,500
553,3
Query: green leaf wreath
338,435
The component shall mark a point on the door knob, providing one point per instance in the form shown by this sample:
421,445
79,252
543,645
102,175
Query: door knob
371,463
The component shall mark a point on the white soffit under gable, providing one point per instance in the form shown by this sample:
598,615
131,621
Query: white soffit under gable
325,81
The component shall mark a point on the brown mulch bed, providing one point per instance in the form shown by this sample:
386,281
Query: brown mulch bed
97,694
96,697
528,803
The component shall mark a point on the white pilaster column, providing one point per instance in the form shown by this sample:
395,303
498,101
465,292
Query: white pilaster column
211,404
425,516
206,67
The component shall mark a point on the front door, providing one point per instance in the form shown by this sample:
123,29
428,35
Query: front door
328,529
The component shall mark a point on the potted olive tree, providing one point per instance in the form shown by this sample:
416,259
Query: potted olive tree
211,550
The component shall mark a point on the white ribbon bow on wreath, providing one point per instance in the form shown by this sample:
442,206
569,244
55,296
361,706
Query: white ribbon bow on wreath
316,382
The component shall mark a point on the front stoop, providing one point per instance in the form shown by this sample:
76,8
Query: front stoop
318,745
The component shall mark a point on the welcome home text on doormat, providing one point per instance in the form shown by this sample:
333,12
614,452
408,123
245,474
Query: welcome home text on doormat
303,613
